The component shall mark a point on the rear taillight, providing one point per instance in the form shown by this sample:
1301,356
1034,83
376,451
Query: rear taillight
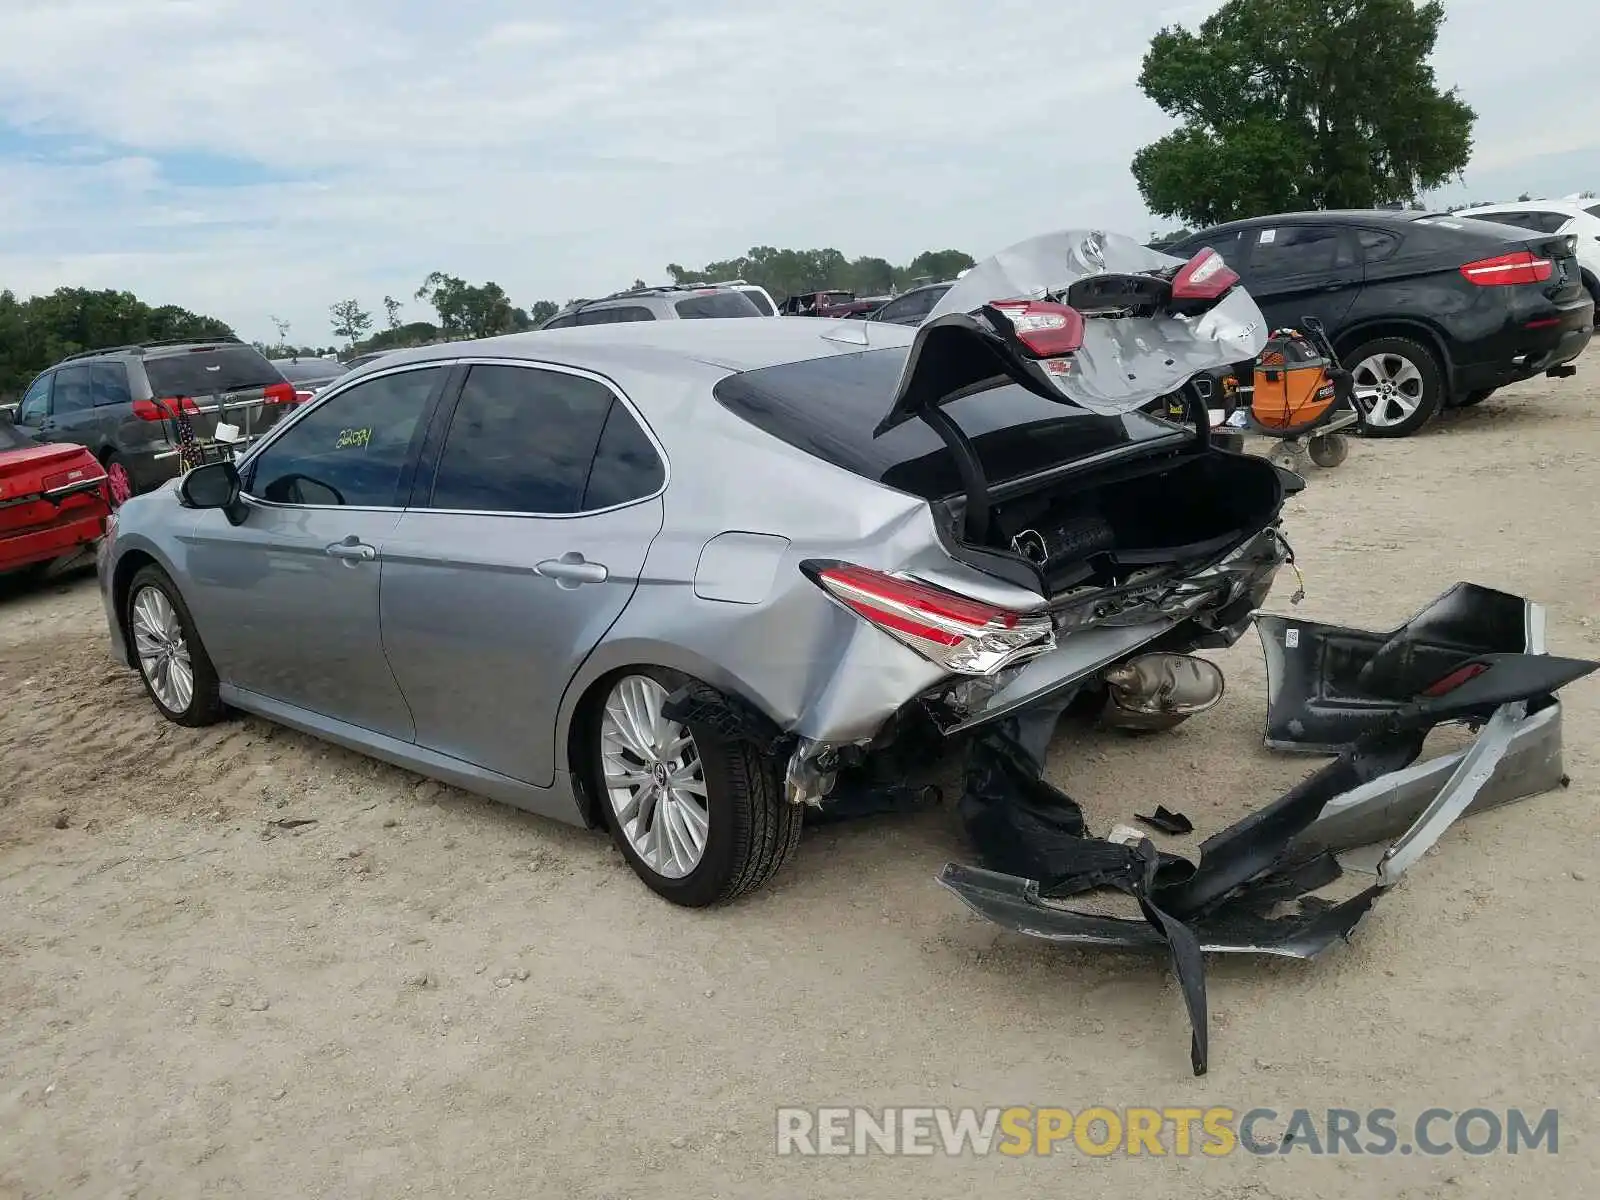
1506,269
1203,277
282,393
962,635
1455,679
1045,329
165,409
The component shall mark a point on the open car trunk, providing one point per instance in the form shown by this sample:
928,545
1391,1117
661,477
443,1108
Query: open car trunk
1122,524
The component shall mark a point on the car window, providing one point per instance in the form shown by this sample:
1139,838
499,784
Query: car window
1295,250
72,392
763,305
521,440
1377,244
626,465
352,449
718,304
108,382
307,370
1550,222
1225,244
566,322
207,370
35,403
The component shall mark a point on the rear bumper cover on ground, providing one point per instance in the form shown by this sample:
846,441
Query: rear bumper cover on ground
1474,655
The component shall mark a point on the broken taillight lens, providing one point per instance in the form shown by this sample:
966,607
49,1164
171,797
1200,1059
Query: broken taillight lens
1203,277
962,635
165,409
1455,679
1045,329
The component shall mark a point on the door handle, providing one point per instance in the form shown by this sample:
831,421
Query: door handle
353,551
571,569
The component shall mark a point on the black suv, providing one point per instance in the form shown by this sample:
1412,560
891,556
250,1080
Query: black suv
1429,311
129,404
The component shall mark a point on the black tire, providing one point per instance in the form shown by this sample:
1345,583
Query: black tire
1419,356
753,828
1472,398
205,705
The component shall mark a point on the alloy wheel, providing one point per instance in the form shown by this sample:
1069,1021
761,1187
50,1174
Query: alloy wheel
120,482
654,778
1390,387
162,651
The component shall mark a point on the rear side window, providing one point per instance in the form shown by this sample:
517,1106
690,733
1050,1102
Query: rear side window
566,322
207,371
626,466
521,440
760,301
1377,244
1296,250
718,304
73,391
622,314
109,384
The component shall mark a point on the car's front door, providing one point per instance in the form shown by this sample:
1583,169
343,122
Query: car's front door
524,542
287,600
1300,271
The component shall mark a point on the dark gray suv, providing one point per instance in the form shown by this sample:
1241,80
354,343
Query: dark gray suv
135,407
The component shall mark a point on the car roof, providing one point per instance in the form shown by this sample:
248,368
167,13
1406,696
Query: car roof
1333,216
734,344
1571,208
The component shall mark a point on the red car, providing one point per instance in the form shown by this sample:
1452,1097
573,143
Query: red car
54,500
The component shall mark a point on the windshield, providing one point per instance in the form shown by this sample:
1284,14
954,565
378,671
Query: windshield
1125,362
12,438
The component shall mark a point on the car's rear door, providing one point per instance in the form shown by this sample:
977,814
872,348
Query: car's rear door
1297,271
287,600
227,382
529,522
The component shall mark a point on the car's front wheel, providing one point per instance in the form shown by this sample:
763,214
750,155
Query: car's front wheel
700,816
1400,383
173,664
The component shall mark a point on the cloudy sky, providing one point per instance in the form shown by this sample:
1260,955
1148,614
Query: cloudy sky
248,160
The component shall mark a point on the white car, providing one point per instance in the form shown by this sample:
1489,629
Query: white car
1581,218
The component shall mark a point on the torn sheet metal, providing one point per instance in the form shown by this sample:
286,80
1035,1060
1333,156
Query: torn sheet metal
1474,656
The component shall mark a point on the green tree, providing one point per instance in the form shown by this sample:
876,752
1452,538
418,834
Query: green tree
350,320
391,308
466,310
1289,105
42,330
795,272
542,311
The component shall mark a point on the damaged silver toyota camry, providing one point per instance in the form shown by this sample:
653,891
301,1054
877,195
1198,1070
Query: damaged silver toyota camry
691,580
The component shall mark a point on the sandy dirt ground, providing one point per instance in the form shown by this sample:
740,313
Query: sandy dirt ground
422,993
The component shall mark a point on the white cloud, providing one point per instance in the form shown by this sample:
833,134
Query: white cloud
563,149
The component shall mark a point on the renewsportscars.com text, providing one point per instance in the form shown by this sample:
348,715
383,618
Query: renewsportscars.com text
1101,1131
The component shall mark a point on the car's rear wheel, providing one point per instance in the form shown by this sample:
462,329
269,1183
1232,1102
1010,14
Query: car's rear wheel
700,817
1400,383
173,664
119,480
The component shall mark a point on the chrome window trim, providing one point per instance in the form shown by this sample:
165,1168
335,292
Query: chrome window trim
527,363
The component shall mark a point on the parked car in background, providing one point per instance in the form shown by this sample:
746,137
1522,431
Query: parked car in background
362,360
53,501
1580,219
759,296
131,405
911,307
310,375
668,302
1428,310
829,304
810,535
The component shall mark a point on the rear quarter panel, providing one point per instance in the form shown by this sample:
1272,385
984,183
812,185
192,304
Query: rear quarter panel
754,625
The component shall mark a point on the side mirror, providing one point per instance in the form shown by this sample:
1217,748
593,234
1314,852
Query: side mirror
214,485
